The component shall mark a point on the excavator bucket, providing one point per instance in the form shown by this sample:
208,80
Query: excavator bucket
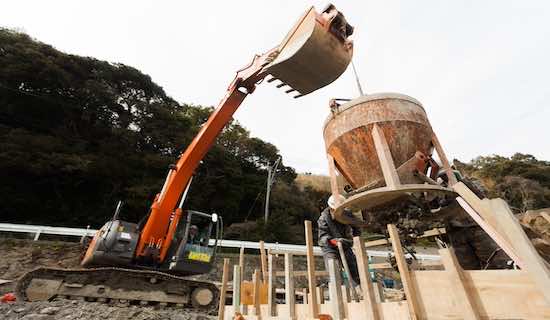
314,53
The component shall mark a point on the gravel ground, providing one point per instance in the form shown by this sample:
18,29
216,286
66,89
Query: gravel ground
72,310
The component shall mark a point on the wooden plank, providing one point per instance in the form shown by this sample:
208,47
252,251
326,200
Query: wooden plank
369,302
532,262
412,301
318,273
492,232
236,287
499,294
289,286
223,289
346,269
271,287
476,203
444,160
263,259
375,243
256,281
334,290
385,158
458,287
312,281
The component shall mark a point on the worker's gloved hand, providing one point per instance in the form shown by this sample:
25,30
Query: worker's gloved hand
344,241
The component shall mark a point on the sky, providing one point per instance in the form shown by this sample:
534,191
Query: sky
480,68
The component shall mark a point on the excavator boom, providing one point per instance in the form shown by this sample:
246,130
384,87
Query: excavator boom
314,53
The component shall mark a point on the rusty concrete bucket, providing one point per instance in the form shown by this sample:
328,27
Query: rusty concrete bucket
314,53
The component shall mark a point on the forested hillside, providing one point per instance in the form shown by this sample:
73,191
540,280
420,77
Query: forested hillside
522,180
77,134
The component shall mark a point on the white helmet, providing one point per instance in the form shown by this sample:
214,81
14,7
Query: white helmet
333,201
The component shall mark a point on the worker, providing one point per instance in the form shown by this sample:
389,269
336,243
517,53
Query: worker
193,237
330,233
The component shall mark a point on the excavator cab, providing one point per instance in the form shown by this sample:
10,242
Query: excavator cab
195,243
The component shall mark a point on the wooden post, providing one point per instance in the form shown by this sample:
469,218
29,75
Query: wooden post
263,262
458,288
311,279
236,288
412,301
242,268
444,160
305,296
321,295
348,273
256,281
272,306
533,263
223,289
369,297
334,290
290,296
385,158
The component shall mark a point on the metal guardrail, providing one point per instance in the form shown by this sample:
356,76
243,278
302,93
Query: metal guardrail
275,247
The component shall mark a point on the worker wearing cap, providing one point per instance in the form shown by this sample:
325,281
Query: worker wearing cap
193,237
331,232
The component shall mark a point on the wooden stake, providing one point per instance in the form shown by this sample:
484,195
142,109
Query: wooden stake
271,304
348,273
290,296
369,297
312,281
263,262
412,301
458,288
223,289
385,158
241,261
334,290
242,268
256,281
236,287
321,295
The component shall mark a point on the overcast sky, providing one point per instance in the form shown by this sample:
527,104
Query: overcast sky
480,68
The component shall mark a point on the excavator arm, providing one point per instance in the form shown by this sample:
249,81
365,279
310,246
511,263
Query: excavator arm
313,54
154,233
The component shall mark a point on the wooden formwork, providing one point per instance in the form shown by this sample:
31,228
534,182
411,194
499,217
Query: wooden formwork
449,293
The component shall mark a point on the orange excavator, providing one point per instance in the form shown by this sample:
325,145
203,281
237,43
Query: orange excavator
147,262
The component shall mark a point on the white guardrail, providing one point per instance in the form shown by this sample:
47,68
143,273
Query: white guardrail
276,247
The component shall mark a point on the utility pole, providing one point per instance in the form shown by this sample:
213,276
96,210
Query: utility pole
271,170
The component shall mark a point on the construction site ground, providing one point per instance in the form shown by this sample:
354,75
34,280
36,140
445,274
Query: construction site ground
22,255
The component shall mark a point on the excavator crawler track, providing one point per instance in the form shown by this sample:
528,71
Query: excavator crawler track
118,285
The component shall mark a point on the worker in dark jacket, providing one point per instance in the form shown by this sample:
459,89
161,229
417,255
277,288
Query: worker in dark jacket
330,233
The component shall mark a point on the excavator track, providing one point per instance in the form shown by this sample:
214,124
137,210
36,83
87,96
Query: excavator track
118,285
